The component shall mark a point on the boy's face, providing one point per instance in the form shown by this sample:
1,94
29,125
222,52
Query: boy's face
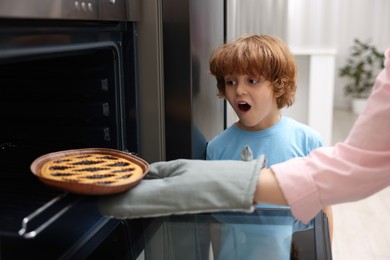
253,100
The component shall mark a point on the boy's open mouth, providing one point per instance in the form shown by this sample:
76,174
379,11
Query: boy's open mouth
243,106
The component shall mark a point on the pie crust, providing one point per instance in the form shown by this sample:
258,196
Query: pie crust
92,168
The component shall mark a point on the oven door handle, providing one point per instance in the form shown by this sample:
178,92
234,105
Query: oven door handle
27,220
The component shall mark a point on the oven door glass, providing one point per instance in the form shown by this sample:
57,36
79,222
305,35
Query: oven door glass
267,233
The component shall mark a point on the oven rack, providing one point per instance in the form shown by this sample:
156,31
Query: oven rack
59,205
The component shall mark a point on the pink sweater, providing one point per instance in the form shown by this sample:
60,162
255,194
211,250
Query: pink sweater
349,171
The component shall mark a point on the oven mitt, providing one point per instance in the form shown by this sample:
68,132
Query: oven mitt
188,186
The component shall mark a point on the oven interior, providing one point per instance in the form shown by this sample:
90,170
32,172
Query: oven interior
69,94
52,104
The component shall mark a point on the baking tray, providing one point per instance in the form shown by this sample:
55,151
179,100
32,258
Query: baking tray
88,188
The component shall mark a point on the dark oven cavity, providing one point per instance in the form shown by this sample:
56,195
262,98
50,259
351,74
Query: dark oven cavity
63,85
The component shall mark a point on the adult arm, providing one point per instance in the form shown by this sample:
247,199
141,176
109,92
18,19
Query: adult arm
349,171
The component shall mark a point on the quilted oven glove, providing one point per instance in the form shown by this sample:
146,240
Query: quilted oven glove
188,186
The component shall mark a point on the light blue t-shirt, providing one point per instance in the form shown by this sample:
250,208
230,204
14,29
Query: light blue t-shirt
285,140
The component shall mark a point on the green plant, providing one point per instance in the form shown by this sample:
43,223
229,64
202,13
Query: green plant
362,67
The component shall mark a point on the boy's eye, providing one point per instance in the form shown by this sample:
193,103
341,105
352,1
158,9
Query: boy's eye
230,82
253,81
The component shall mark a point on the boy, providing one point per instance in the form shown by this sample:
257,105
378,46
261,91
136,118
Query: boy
256,74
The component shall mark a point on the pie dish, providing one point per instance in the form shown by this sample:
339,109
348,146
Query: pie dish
90,171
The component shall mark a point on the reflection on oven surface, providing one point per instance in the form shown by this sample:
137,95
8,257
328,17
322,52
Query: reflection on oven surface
268,234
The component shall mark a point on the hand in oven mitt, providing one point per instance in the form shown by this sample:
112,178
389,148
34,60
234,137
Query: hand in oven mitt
188,186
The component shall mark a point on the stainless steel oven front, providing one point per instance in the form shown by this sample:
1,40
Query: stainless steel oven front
102,10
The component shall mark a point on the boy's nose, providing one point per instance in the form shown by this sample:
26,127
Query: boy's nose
240,89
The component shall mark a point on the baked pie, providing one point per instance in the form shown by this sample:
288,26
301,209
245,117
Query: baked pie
92,168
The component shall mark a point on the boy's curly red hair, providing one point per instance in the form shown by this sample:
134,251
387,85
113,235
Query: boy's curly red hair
257,55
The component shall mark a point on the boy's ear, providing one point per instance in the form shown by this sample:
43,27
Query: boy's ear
276,95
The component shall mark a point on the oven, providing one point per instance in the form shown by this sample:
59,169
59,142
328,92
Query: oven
67,80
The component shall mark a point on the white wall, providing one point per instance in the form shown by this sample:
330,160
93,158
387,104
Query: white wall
334,24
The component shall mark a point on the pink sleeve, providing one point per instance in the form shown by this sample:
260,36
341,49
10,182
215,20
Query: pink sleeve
349,171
